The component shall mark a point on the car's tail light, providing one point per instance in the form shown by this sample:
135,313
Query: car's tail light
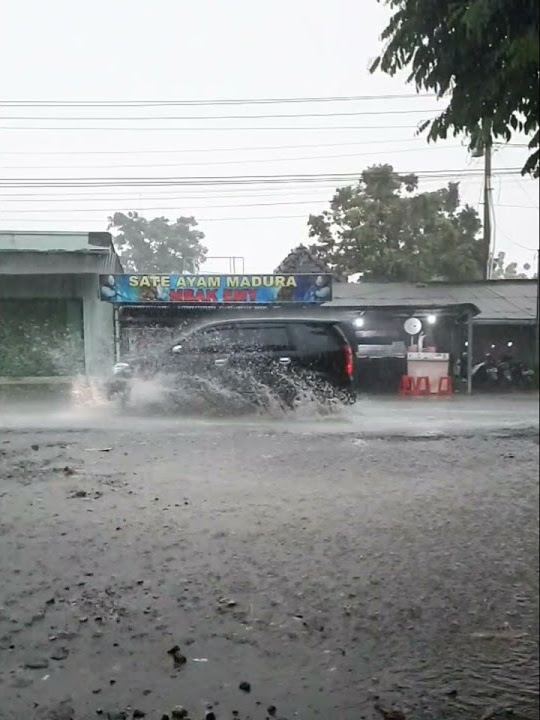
349,361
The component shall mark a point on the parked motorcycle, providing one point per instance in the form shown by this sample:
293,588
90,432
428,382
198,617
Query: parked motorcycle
501,375
485,374
522,376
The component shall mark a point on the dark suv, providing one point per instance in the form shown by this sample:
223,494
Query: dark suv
288,357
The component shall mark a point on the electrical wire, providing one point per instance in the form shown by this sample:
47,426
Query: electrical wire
205,103
222,162
215,129
38,194
199,220
191,207
248,148
197,181
286,116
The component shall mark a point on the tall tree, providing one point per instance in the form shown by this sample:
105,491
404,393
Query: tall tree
302,260
384,229
157,246
509,271
483,55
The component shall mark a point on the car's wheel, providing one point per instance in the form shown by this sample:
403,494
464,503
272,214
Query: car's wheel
346,397
124,399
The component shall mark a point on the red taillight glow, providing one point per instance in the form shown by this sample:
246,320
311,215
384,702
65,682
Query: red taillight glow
349,362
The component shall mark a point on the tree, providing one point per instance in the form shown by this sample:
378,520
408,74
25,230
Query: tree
385,230
302,260
483,55
510,271
157,246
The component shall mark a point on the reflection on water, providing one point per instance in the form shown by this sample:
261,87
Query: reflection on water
502,675
484,663
206,398
153,405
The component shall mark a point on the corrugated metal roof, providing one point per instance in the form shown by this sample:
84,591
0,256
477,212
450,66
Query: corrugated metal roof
498,300
42,241
31,252
29,241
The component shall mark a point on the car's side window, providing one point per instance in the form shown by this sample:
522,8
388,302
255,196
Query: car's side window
219,339
263,338
316,338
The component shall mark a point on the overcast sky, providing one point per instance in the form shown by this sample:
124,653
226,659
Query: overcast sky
174,50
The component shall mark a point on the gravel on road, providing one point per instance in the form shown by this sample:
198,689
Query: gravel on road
233,569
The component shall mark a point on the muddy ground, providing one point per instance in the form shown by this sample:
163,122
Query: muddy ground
330,568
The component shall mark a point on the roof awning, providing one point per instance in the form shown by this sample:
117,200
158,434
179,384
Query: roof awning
406,309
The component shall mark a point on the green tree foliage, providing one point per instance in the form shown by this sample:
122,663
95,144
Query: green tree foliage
511,271
483,55
157,246
302,260
385,230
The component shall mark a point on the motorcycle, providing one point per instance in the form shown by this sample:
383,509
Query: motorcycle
503,375
522,376
485,374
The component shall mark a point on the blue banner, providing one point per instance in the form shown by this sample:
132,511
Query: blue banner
215,289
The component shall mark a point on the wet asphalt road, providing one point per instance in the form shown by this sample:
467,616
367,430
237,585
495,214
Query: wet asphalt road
386,555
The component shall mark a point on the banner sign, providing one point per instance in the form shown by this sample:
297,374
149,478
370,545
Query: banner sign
215,289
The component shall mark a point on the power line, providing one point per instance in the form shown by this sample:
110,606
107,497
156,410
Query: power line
230,193
216,129
227,193
206,150
134,204
222,180
446,171
206,207
223,162
201,103
85,197
57,194
170,198
164,194
523,247
191,207
286,116
198,219
215,219
517,207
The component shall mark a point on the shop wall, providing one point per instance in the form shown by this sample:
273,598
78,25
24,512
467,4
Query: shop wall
58,318
98,329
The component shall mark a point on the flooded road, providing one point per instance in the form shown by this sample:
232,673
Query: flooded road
385,555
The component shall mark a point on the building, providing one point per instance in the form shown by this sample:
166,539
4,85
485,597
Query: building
507,316
53,325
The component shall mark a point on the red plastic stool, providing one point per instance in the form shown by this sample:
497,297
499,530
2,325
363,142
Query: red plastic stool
422,386
445,386
408,385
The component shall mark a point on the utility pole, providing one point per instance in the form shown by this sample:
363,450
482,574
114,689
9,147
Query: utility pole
489,252
537,329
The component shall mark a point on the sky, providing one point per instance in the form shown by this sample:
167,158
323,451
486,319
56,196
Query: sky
208,50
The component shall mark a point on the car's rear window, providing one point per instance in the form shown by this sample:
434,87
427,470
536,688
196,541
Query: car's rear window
315,337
